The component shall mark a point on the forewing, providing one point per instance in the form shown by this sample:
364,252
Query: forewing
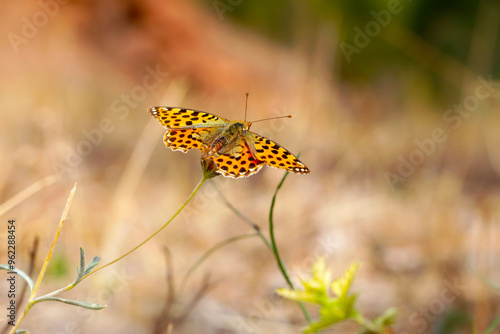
237,162
175,118
274,154
187,128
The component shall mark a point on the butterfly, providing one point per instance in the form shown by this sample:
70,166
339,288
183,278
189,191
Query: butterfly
237,151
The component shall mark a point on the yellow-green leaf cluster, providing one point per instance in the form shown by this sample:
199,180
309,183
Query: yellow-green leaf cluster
336,303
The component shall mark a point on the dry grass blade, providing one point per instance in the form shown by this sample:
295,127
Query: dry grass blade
164,318
32,189
64,215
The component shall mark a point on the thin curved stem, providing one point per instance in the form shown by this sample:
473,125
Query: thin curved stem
271,245
203,179
212,250
32,301
244,218
275,247
273,239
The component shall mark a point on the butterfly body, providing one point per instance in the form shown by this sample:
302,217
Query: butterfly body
228,138
237,151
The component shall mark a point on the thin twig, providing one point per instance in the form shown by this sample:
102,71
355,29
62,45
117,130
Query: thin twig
205,286
207,254
164,318
244,218
203,179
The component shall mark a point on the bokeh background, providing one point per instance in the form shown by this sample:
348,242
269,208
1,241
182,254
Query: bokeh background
396,110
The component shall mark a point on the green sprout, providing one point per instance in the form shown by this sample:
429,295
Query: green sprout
337,304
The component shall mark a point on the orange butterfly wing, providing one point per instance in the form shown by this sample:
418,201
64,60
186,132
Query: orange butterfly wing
274,154
188,128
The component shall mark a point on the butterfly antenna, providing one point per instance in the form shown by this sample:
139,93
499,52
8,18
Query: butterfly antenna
266,119
246,106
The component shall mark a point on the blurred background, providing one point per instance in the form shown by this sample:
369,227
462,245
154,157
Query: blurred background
396,110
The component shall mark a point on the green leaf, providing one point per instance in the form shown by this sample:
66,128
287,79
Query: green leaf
82,262
380,324
21,273
493,325
80,270
88,305
386,319
339,306
94,262
298,295
315,289
328,320
342,284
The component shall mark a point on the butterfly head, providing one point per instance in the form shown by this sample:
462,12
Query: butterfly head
240,126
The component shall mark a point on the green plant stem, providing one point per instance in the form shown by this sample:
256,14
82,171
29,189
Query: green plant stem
493,325
209,252
271,245
364,323
50,297
57,292
275,248
244,218
483,277
273,239
203,179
